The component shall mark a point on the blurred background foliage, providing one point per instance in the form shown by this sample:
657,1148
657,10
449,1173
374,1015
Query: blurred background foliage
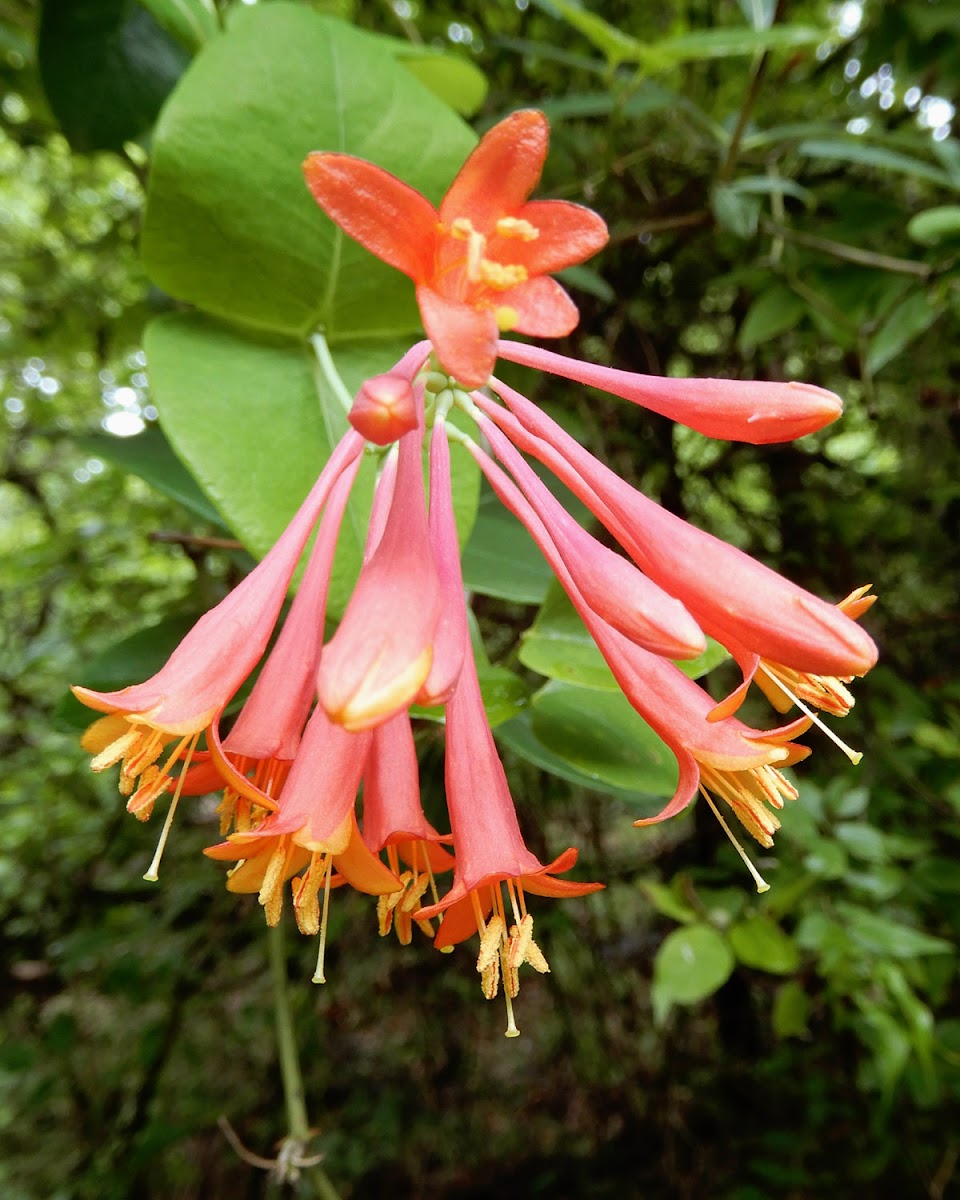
781,181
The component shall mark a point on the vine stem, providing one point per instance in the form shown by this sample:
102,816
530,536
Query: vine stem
293,1095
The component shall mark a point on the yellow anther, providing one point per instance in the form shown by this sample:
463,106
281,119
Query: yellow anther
462,228
511,973
271,890
113,751
516,227
490,977
490,943
500,276
306,895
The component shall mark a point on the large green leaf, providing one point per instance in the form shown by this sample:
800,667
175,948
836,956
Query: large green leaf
758,941
905,324
107,66
255,423
230,225
603,738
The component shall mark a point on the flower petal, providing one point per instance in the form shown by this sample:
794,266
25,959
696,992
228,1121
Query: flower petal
542,308
464,338
567,234
385,215
500,173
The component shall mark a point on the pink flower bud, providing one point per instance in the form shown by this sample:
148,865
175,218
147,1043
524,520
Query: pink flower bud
385,409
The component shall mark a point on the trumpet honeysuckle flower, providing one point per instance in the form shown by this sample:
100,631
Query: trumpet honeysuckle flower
730,595
450,641
380,656
315,827
725,758
481,264
739,410
393,821
266,735
189,693
490,852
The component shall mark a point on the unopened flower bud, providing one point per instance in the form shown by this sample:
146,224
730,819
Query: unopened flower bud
384,410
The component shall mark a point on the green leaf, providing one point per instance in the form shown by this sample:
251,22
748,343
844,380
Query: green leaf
863,154
935,225
454,80
518,736
904,325
151,456
255,423
501,559
191,22
107,66
735,211
880,935
230,225
773,312
791,1011
691,964
602,737
667,901
615,45
772,185
559,646
862,841
727,43
759,942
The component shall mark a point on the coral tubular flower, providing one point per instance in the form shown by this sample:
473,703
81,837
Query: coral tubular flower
481,264
315,828
726,758
730,595
490,851
450,638
266,735
393,820
613,588
754,411
189,693
381,654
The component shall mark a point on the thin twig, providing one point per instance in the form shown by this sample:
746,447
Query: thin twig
195,539
854,254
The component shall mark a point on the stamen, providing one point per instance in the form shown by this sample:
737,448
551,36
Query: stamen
271,889
152,873
516,227
115,751
762,885
499,276
854,755
318,975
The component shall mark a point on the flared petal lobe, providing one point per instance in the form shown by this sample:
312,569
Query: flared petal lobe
500,172
385,215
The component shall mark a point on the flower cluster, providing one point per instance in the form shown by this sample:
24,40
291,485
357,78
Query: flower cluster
323,723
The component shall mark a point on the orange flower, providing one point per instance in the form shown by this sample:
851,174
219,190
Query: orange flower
481,264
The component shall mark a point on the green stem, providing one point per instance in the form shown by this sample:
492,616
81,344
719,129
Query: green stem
297,1121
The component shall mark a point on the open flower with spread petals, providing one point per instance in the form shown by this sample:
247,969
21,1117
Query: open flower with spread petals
481,264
